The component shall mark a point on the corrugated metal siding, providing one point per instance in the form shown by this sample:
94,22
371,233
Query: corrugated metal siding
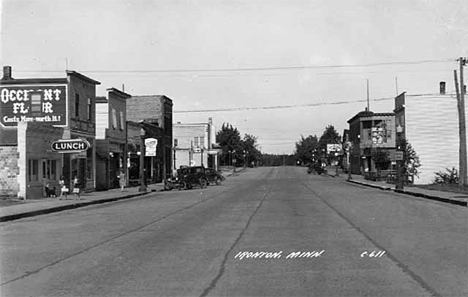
432,130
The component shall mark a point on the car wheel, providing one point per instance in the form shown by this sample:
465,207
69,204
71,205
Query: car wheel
218,181
203,183
185,186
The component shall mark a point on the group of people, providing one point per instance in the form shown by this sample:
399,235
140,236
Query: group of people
64,189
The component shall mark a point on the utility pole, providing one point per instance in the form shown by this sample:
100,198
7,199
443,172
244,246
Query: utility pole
461,124
368,108
348,155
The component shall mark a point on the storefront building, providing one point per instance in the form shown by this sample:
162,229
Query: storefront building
367,132
34,113
111,138
153,113
194,145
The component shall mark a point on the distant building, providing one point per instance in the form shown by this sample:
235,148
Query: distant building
34,113
369,131
195,145
153,114
430,124
111,138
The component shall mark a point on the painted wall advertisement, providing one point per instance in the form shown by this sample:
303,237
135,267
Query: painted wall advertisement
46,103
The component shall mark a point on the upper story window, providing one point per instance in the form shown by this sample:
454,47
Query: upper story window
36,107
122,122
196,141
90,109
202,141
77,105
176,142
114,119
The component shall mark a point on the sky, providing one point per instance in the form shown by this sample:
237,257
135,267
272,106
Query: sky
276,69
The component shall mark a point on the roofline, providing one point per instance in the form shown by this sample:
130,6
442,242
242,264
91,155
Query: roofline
23,81
119,92
83,77
377,114
159,96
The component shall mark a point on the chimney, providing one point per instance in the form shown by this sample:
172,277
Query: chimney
442,87
7,73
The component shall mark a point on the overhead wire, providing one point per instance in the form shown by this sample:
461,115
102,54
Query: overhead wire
249,68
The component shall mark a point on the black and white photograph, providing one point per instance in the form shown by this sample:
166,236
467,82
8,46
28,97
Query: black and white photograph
238,148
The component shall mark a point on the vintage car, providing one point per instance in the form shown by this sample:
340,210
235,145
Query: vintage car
214,176
186,178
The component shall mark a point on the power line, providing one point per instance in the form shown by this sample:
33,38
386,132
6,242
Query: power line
251,68
277,106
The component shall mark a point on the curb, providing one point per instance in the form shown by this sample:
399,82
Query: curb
421,195
243,169
65,207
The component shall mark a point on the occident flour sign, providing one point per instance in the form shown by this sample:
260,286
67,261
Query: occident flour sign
45,103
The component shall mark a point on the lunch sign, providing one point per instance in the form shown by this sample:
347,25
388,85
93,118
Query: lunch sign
70,146
45,103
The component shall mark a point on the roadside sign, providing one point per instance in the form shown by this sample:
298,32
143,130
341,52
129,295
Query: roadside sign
399,156
70,146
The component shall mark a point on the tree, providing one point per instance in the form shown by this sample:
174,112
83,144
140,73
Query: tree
305,149
411,161
231,143
249,149
329,136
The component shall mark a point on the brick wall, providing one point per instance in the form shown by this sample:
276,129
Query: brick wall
145,108
9,171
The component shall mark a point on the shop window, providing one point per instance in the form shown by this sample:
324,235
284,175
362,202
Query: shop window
33,170
49,169
77,105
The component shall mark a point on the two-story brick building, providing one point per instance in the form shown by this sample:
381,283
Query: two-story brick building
111,138
153,114
34,112
368,131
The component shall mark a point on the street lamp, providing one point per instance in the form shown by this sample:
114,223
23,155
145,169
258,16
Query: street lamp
142,161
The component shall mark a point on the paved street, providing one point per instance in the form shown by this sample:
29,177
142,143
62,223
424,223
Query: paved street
265,232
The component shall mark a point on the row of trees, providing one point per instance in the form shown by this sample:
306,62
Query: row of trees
237,150
311,148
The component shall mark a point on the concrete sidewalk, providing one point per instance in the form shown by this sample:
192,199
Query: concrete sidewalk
448,197
34,207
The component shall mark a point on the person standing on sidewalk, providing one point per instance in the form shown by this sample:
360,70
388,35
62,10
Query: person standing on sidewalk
63,188
122,180
76,187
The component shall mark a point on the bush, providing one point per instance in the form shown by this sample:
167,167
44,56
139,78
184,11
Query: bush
449,177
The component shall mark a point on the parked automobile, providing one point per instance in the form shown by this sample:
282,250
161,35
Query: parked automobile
187,178
214,176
